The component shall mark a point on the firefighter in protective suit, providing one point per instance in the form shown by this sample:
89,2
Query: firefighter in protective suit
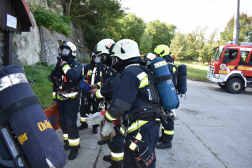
110,79
67,74
139,128
167,129
89,104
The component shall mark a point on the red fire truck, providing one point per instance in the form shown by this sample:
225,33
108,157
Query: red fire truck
231,67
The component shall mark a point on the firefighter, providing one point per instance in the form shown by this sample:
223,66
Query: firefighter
139,126
110,79
89,104
167,129
67,74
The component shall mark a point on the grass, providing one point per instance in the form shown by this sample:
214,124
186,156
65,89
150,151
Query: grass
43,88
195,71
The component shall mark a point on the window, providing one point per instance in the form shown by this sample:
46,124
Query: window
244,56
250,60
230,55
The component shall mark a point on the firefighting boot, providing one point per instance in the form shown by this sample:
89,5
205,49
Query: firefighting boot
164,145
83,125
101,142
73,154
160,139
107,158
66,146
95,130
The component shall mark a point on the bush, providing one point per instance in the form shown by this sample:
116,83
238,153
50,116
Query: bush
52,21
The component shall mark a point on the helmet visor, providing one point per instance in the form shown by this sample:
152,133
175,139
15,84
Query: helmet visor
96,59
65,51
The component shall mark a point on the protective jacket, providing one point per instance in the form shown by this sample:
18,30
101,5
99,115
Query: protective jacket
124,95
72,72
65,95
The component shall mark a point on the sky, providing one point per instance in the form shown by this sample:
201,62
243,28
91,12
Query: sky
187,15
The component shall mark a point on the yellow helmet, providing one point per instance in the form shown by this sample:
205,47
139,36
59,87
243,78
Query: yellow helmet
161,50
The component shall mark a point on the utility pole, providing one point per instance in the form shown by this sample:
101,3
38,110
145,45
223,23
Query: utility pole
236,24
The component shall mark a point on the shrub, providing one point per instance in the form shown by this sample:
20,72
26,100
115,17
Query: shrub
52,21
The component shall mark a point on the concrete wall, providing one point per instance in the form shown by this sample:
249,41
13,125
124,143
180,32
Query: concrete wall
28,46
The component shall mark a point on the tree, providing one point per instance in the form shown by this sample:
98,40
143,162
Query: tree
162,33
178,46
206,54
195,42
245,29
94,17
128,27
146,42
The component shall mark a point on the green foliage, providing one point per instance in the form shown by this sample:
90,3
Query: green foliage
85,60
206,53
43,88
95,18
178,46
49,2
162,33
195,42
52,21
146,43
129,27
245,29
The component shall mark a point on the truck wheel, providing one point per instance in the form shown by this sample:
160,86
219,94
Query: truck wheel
234,85
222,86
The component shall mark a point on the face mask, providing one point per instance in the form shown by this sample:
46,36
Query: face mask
65,52
97,60
147,62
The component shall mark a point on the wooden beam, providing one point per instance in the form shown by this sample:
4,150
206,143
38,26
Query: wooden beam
7,48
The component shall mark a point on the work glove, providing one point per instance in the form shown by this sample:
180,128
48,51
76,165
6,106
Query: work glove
93,119
107,128
143,154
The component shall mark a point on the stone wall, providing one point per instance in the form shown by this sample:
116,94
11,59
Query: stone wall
50,41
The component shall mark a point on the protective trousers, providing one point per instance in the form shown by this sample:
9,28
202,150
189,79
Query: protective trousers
88,105
168,130
150,137
68,110
116,145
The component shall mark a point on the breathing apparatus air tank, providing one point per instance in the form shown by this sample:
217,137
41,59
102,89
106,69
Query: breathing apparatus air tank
165,87
181,79
23,112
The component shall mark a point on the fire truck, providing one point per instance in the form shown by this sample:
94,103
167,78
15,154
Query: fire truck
231,67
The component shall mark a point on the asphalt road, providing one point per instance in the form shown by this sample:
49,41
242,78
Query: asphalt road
213,129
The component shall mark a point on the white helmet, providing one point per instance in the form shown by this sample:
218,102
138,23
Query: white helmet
69,45
103,46
125,49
